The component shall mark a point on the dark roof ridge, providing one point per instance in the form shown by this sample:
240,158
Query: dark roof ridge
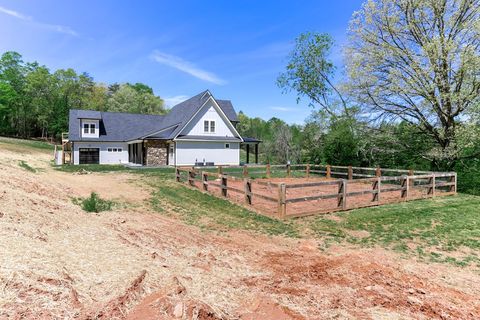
133,113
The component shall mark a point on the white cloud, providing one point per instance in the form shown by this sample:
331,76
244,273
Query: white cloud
282,109
15,14
61,29
172,101
52,27
187,67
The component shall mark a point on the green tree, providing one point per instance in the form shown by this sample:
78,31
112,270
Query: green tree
418,61
136,98
309,73
39,92
12,75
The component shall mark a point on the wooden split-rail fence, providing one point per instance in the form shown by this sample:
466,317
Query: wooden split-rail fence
251,181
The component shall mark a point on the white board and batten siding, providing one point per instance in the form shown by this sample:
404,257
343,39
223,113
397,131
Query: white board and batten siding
106,157
208,113
189,152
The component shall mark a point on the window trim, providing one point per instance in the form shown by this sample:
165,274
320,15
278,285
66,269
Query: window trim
227,145
90,128
212,128
206,126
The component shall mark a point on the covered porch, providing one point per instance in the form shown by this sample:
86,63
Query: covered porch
150,152
250,145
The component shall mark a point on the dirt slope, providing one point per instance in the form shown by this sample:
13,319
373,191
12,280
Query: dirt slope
57,261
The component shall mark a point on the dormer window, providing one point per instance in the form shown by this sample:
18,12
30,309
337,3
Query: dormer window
89,128
212,126
205,126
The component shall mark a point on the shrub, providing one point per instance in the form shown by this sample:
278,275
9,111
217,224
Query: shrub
95,204
26,166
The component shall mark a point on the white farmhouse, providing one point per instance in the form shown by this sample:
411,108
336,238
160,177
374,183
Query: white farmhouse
198,131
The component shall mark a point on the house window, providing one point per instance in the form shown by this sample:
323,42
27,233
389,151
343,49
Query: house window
227,145
119,150
92,128
205,126
212,126
110,150
85,128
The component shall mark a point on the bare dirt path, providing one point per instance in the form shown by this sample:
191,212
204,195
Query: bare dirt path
57,261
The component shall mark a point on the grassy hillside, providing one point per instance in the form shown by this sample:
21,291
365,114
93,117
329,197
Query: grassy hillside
28,144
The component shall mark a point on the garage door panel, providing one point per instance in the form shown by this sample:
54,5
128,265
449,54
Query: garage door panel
89,155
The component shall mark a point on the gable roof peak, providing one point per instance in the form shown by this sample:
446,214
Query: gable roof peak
206,93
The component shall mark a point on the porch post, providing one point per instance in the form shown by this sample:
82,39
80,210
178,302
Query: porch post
256,153
248,153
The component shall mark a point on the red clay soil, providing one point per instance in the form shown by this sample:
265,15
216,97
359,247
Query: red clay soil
347,287
171,303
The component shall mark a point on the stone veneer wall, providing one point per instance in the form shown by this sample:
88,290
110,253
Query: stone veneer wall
157,153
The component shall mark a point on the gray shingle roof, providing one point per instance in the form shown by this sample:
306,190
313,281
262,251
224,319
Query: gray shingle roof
90,114
117,126
227,107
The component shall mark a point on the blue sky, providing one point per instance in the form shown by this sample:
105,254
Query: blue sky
234,48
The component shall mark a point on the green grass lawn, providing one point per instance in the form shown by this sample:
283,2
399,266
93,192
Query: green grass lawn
207,211
34,144
440,229
92,168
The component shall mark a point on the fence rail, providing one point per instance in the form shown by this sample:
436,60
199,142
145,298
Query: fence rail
254,187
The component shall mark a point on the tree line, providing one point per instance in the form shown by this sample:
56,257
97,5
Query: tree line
35,102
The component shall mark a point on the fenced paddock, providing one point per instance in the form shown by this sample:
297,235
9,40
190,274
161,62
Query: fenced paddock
287,191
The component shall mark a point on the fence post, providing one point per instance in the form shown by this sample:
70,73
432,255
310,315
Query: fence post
350,173
431,188
205,180
376,188
177,174
224,185
342,194
378,172
247,184
268,170
410,173
288,170
329,172
282,205
308,170
220,170
191,177
406,186
453,179
245,171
